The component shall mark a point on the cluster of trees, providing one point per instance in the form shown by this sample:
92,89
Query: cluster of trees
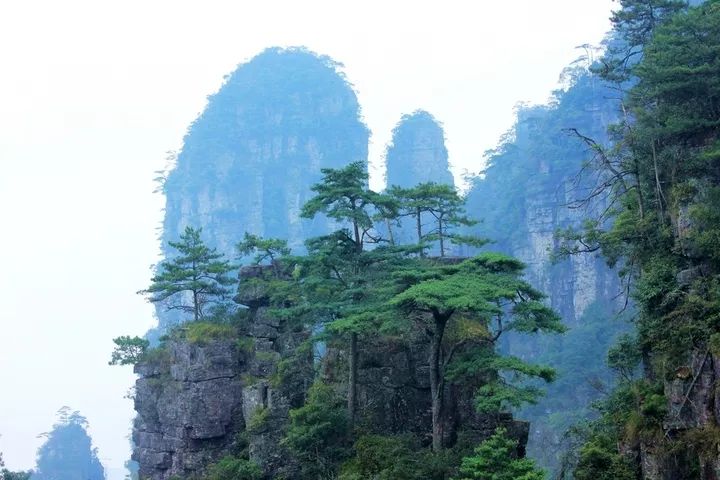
662,180
357,285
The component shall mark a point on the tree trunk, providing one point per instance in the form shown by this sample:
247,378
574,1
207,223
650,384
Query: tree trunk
437,384
196,307
352,379
388,224
442,242
419,230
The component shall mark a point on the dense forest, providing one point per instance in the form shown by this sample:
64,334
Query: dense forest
416,330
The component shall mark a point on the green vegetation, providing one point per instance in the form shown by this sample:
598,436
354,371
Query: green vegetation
6,474
232,468
204,332
481,298
318,435
355,288
661,178
128,350
265,250
198,272
495,459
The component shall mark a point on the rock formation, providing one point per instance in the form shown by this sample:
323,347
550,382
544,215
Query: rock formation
417,153
200,401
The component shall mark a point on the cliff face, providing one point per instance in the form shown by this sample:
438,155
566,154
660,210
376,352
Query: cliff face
189,408
248,161
417,153
529,191
198,402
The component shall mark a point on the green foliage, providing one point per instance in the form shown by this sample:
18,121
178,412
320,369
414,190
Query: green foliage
397,458
343,195
496,459
204,332
233,468
6,474
258,420
444,206
128,350
624,357
264,249
246,344
197,271
599,460
318,435
477,300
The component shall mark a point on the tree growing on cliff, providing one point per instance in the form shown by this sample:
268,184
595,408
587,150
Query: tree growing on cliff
197,271
128,350
265,249
318,434
344,195
477,301
443,206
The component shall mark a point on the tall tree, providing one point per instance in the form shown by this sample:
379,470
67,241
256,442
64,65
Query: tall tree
197,271
442,206
344,195
483,298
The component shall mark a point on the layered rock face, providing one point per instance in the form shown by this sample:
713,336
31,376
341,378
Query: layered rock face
417,153
249,160
189,407
394,397
198,402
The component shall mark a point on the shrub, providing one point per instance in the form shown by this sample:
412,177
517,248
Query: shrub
233,468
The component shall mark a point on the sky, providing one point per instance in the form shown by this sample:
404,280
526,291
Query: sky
94,93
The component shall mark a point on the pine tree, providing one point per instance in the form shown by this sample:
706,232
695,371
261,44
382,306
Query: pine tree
198,271
443,206
496,459
479,299
340,260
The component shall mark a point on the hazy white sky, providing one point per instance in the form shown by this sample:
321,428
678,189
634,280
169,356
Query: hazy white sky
92,95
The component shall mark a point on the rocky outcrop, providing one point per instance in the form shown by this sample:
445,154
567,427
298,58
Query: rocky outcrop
189,408
417,154
394,397
249,160
198,402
